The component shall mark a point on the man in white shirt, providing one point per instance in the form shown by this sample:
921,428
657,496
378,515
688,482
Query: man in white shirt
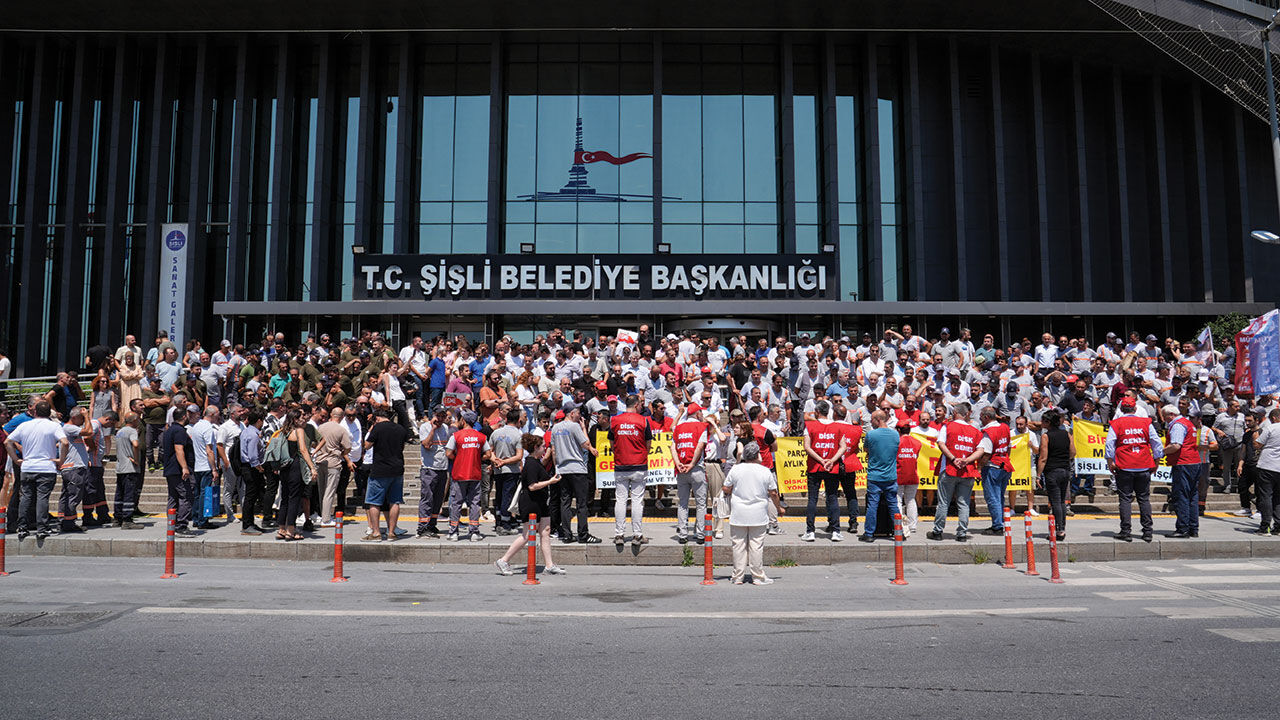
37,447
205,468
226,436
1267,442
1046,353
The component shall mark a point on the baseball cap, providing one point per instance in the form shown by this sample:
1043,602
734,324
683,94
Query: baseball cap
706,370
1151,338
468,417
1128,403
1110,335
226,343
693,408
612,398
945,331
672,336
1203,376
559,415
602,385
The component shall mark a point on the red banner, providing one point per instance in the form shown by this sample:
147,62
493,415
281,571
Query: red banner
590,156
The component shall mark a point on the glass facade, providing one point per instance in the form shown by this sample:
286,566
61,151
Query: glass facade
291,153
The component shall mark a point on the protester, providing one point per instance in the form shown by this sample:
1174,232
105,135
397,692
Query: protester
882,473
1132,449
750,487
1054,464
630,434
38,447
1267,444
466,448
533,501
385,441
962,446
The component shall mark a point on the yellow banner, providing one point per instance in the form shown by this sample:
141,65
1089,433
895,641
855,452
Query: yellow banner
1091,447
1020,454
791,463
927,461
662,461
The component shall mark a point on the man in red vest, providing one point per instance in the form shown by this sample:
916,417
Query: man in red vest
630,434
690,439
962,446
764,437
825,445
1132,450
998,470
1185,457
466,448
908,478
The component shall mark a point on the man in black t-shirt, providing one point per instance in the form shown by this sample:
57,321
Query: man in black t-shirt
385,491
177,454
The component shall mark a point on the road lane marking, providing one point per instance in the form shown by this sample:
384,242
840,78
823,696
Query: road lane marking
1221,579
1172,583
1201,613
1250,635
1142,595
1227,566
623,614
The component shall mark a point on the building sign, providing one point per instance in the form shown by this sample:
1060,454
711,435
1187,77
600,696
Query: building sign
595,277
173,281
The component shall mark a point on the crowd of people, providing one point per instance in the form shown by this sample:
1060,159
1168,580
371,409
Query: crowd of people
281,433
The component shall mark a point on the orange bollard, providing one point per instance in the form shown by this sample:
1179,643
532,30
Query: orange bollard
897,551
1031,550
1008,540
707,539
169,574
531,572
337,551
4,528
1054,577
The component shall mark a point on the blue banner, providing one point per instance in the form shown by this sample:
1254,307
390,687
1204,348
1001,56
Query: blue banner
1264,354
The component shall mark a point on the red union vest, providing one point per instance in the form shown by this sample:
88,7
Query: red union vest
962,441
1133,448
630,441
1187,454
824,438
687,435
468,447
852,463
998,434
908,454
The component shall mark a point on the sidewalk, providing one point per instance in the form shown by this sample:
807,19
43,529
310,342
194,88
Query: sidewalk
1089,538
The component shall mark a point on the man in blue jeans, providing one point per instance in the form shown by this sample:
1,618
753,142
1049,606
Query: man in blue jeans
998,470
881,444
1184,493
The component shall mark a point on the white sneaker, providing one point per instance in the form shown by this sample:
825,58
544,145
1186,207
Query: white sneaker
1034,513
836,536
555,570
328,524
719,534
807,537
761,581
302,520
774,529
315,518
504,567
1242,512
1256,515
452,537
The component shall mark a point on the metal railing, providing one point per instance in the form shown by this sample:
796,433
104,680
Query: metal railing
14,391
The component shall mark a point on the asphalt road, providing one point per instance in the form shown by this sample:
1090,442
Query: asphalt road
109,639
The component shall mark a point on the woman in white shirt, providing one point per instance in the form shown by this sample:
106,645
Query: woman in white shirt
527,395
750,488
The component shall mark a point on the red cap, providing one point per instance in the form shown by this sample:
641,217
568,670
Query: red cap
1072,378
1128,403
693,408
612,398
706,369
602,385
559,415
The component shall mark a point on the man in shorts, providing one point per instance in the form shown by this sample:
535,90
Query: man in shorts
385,490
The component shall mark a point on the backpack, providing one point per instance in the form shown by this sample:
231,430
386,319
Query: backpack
233,455
277,455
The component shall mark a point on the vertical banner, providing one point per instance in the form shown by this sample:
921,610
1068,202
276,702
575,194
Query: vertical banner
1091,447
173,282
1164,471
791,464
927,461
1020,455
1264,354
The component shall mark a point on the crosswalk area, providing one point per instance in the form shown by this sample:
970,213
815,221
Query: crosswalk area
1245,590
